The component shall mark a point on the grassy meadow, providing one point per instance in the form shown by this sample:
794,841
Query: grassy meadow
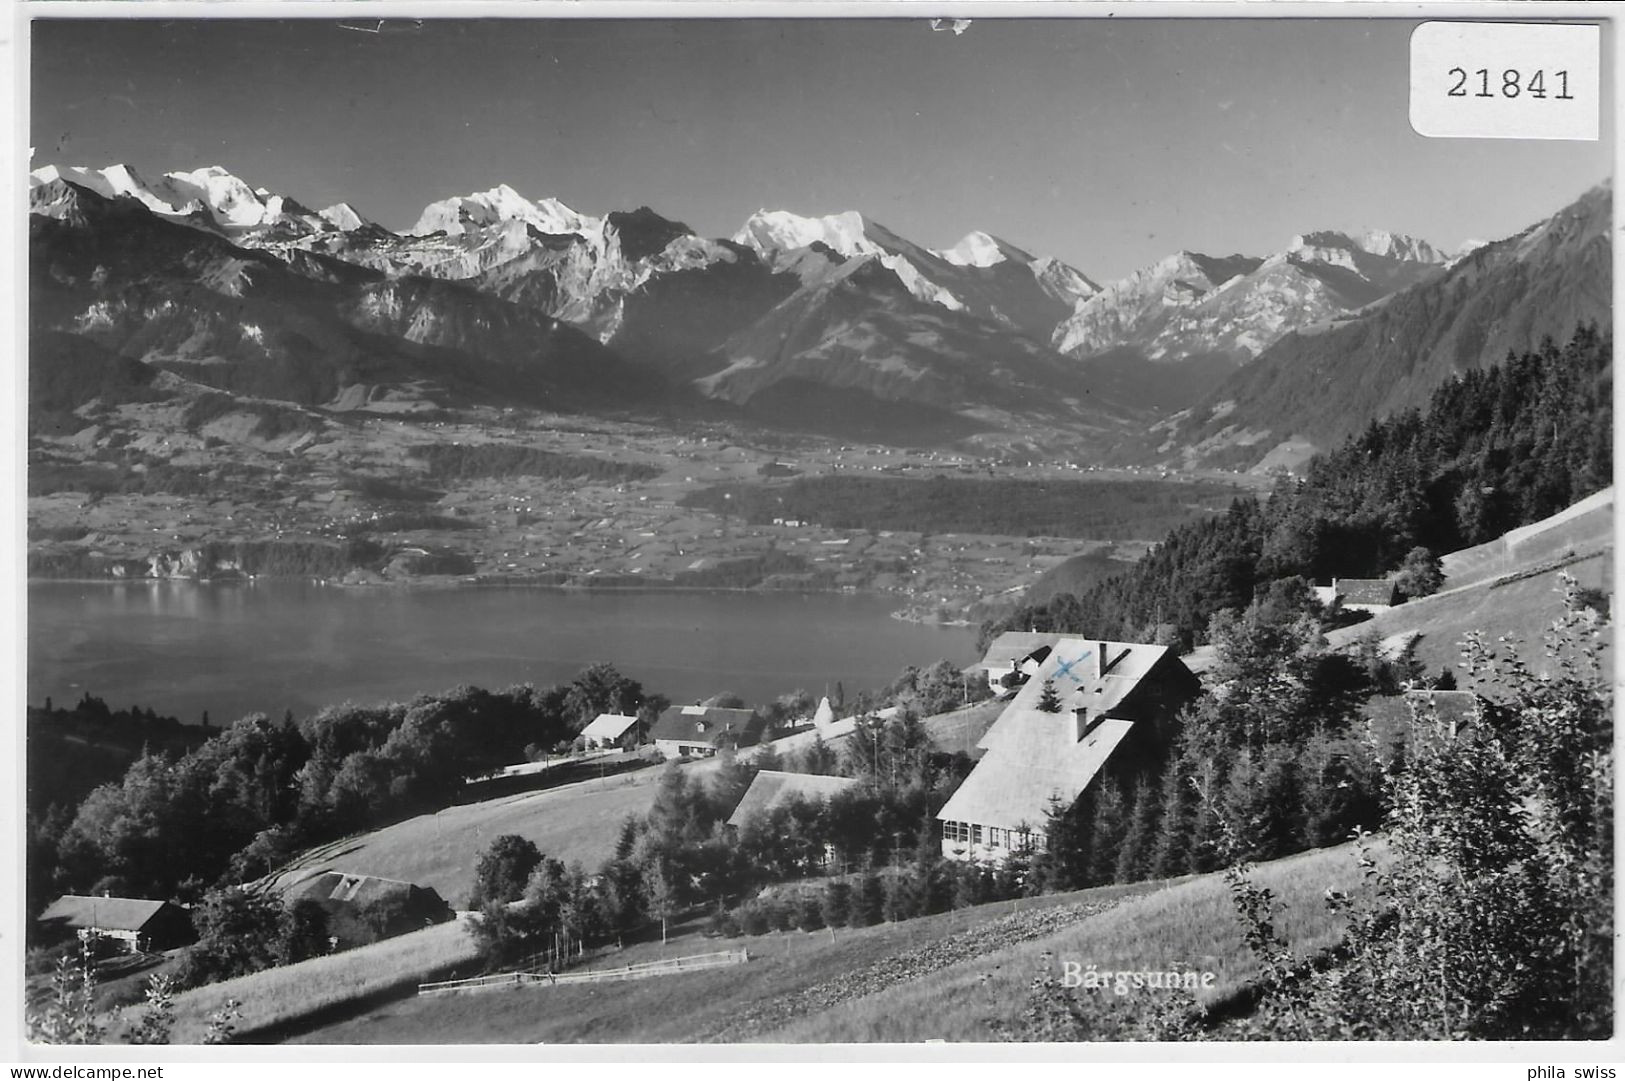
1187,925
279,995
716,1003
884,983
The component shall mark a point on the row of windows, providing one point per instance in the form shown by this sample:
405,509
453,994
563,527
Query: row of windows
971,833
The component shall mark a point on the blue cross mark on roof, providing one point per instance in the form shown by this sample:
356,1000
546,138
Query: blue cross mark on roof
1066,669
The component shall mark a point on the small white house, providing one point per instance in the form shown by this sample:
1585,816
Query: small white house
610,730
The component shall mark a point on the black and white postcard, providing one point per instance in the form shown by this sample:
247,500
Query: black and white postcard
553,526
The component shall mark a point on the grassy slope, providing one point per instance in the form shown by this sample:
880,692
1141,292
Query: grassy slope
1191,924
570,823
573,822
1497,587
921,979
279,994
1580,528
1522,608
783,966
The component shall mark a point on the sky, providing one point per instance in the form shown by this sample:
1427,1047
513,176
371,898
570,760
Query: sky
1106,143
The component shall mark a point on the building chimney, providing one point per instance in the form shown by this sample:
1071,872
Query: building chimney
1080,724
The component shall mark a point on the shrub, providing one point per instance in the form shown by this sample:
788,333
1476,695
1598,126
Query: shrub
1494,919
755,918
810,913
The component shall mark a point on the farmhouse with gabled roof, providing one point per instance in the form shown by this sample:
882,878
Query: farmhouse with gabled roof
1365,594
364,908
138,923
701,731
772,788
1015,651
1119,707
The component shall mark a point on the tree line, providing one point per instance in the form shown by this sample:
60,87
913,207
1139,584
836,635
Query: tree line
1100,509
450,462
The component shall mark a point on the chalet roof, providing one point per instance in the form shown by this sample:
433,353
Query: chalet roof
104,913
771,787
1011,646
352,889
1364,590
1033,755
1038,764
1086,673
609,726
703,724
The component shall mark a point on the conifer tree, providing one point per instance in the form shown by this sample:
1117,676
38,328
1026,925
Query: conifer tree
1106,829
1171,854
868,900
1135,854
837,903
902,896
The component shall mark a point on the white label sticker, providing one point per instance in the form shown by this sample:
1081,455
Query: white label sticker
1505,80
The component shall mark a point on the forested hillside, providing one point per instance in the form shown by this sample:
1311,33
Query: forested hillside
1495,449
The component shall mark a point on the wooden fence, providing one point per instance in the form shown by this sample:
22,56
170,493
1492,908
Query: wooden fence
693,963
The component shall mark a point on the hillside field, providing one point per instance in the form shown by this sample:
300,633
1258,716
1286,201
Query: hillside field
951,977
1503,589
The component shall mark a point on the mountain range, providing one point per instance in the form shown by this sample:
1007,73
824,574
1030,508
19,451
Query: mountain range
832,323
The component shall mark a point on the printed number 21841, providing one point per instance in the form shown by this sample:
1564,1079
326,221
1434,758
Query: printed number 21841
1510,83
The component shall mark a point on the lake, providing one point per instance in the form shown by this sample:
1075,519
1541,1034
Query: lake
268,646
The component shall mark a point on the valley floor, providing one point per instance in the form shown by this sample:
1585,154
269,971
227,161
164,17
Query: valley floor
356,476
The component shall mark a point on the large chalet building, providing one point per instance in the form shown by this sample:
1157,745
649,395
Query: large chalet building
1119,704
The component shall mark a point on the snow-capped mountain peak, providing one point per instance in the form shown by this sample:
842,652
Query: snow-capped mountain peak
344,217
976,249
1378,242
502,203
771,232
225,200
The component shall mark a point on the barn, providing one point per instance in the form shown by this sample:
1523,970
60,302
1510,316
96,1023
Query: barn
1365,594
1119,705
365,908
702,731
140,925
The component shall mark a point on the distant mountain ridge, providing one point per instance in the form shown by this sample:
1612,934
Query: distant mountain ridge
1190,305
978,336
1320,384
